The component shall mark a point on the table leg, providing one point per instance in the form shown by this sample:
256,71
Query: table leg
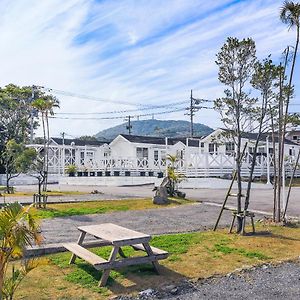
112,257
79,242
122,253
150,253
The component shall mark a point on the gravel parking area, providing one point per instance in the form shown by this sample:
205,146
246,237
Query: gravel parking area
261,283
185,218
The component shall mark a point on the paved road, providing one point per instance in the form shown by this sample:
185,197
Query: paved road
195,217
261,199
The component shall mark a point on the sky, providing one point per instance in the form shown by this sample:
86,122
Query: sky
130,54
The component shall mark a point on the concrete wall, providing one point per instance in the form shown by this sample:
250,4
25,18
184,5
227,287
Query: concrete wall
107,180
212,183
26,180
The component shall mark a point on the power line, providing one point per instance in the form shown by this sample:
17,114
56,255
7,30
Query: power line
118,117
92,98
123,111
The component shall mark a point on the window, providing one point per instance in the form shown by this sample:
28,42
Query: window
82,158
213,148
142,153
261,150
155,155
295,138
229,146
202,145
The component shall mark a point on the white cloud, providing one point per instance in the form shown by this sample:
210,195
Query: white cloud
148,52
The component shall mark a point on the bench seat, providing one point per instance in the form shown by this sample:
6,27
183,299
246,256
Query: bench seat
86,255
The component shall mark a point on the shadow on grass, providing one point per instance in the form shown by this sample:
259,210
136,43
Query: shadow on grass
271,235
125,280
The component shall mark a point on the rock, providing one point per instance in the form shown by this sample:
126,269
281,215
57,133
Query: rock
174,291
161,196
147,293
160,200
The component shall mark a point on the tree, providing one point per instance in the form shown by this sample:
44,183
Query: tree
9,156
235,61
290,15
18,229
31,163
265,81
15,115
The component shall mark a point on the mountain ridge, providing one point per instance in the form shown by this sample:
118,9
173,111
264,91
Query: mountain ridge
153,127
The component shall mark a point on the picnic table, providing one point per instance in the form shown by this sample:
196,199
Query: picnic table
116,236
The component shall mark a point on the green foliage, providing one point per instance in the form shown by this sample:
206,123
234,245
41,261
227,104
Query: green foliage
225,249
52,213
290,13
173,175
160,128
15,111
12,282
71,169
18,229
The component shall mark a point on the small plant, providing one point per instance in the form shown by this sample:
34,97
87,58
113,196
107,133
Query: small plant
71,170
18,229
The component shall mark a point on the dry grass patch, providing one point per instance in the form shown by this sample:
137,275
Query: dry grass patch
192,255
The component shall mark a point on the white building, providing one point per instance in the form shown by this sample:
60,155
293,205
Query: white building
132,155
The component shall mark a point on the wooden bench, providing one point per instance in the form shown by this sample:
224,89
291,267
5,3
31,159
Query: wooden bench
158,253
117,237
98,262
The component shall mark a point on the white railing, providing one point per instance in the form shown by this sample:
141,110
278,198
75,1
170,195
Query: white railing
194,165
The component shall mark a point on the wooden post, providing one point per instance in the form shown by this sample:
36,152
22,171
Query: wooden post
79,242
112,257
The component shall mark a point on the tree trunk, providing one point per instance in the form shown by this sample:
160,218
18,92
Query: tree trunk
274,168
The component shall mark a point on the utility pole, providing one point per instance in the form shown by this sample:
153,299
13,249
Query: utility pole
192,109
129,126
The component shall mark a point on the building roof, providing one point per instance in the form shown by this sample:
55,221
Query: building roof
263,136
78,142
159,140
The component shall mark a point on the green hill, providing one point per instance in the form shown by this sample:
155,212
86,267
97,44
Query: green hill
166,128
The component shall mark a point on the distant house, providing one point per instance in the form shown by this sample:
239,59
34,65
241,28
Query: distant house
219,142
64,152
134,155
150,151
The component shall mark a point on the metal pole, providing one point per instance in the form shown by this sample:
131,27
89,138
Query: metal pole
192,114
63,153
166,142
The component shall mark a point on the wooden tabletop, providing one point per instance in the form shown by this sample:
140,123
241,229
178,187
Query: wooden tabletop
117,235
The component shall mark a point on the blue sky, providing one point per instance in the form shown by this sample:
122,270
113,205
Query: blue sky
148,52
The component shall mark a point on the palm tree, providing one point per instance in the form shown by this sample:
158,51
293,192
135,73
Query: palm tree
45,106
18,229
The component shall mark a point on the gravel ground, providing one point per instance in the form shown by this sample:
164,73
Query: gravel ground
265,282
185,218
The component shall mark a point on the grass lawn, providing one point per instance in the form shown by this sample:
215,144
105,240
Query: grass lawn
192,256
101,207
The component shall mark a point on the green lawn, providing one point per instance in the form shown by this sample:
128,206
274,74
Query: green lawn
101,207
192,256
